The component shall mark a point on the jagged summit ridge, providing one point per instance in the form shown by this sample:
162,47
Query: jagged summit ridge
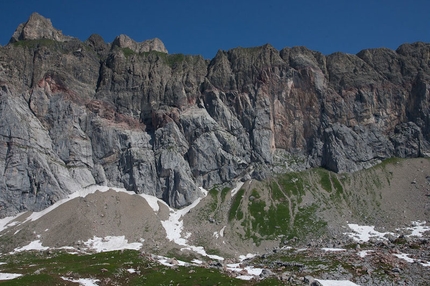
160,124
37,27
124,41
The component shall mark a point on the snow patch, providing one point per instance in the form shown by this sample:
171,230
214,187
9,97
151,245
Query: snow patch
217,234
6,222
83,281
418,228
152,201
196,261
333,249
251,271
168,261
9,276
405,257
174,227
80,193
236,189
111,243
243,257
364,253
245,277
336,282
34,245
200,250
221,232
363,233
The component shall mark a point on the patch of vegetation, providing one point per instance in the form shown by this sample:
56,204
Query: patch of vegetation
43,268
255,194
266,222
235,212
337,185
306,222
175,59
213,194
224,193
293,185
324,179
210,208
277,194
127,52
389,161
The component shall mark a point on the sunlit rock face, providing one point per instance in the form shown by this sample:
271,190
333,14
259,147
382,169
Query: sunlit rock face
128,114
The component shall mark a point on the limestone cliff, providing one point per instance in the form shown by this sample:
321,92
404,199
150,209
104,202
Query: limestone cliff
131,115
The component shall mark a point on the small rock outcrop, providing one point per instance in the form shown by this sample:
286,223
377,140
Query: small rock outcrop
37,27
124,41
130,115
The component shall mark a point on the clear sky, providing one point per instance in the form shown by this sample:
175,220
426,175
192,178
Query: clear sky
205,26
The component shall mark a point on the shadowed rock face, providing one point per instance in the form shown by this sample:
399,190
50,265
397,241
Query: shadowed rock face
128,114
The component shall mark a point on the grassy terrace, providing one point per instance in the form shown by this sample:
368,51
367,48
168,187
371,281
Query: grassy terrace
110,268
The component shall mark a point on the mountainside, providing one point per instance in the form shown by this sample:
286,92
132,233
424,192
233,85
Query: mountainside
127,114
367,228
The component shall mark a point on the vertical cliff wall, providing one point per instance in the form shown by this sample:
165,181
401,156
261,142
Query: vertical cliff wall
129,114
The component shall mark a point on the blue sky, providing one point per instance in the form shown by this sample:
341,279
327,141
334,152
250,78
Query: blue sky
205,26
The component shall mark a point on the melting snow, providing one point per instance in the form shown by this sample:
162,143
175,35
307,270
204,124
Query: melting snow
152,201
243,257
237,188
83,281
80,193
168,261
196,261
336,283
9,276
174,227
418,228
333,249
405,256
34,245
252,271
6,222
362,233
220,233
364,253
110,243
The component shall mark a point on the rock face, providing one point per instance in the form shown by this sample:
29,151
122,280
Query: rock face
124,41
130,115
37,27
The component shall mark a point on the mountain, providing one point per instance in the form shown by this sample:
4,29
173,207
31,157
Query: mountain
125,114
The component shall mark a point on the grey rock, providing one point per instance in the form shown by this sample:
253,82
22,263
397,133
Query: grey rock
124,41
79,113
265,273
37,27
